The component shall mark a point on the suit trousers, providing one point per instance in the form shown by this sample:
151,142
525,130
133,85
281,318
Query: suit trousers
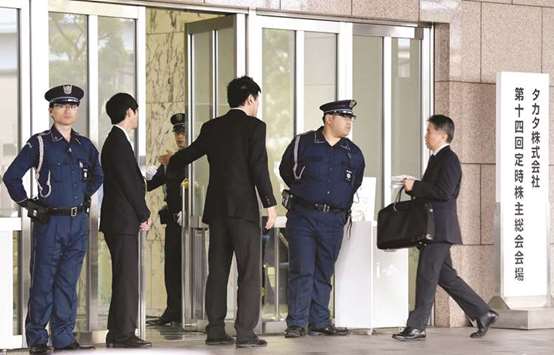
243,237
122,316
315,240
172,271
435,267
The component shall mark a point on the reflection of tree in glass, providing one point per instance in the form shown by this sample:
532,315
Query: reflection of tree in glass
278,98
68,47
116,64
116,52
68,56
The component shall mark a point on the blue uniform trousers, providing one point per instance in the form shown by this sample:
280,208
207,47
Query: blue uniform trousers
58,249
314,242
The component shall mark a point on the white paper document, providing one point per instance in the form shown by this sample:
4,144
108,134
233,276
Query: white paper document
398,180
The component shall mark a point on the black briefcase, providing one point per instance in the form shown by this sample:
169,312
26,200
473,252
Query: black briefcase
405,224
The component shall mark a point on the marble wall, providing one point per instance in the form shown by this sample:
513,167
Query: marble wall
165,95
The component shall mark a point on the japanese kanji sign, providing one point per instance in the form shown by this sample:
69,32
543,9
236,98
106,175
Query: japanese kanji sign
522,182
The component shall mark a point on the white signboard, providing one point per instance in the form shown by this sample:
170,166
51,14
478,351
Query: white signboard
371,285
363,207
522,182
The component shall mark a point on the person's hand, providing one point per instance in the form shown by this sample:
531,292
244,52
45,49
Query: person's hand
150,172
145,226
24,203
164,159
408,184
271,217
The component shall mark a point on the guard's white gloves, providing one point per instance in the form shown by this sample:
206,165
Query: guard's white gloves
150,172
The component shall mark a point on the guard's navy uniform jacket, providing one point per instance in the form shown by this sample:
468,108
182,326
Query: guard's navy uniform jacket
323,182
168,216
68,173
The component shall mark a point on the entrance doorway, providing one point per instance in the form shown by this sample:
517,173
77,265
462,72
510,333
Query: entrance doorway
180,61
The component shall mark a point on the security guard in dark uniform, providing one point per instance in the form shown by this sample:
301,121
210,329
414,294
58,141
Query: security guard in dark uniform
323,170
172,216
68,173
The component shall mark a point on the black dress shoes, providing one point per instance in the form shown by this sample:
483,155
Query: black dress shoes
483,324
410,334
131,342
41,349
75,346
253,342
224,340
295,332
329,330
160,321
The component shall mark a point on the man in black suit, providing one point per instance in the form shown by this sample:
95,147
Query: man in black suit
235,146
441,185
123,214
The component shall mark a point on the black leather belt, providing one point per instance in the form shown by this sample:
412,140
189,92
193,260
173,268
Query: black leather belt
69,211
322,207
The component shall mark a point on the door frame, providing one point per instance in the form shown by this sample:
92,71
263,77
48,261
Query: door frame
93,11
194,222
22,223
346,32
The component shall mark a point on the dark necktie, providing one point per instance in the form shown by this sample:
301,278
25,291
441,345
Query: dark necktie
429,162
431,159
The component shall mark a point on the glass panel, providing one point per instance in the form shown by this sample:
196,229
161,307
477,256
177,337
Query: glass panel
278,100
225,66
278,90
225,73
68,64
116,73
17,326
9,105
274,256
320,75
68,55
116,66
406,122
368,92
406,107
202,113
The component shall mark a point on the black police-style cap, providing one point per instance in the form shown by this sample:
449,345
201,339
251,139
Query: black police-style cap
179,122
66,93
343,107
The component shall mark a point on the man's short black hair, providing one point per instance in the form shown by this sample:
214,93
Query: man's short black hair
239,89
117,106
443,123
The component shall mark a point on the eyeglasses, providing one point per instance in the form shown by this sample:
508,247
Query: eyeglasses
66,106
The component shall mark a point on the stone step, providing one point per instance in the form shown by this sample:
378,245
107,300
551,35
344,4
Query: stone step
528,318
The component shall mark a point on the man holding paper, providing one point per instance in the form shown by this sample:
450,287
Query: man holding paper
441,185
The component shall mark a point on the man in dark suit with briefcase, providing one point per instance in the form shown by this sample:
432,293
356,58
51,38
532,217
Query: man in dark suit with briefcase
123,214
441,185
235,146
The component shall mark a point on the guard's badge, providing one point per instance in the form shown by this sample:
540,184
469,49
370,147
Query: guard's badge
348,175
67,89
